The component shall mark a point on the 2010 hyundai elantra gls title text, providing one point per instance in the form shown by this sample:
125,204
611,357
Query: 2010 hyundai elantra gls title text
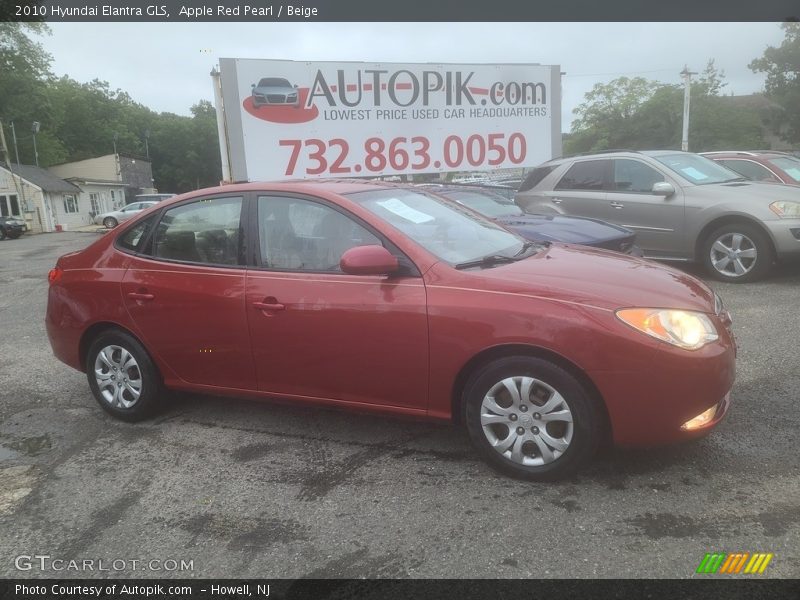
382,297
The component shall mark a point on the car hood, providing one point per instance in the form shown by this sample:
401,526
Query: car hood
597,277
559,228
756,190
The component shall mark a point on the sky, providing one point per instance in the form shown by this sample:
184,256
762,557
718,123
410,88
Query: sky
166,66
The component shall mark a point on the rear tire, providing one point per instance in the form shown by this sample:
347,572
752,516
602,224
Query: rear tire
110,222
737,253
122,377
531,419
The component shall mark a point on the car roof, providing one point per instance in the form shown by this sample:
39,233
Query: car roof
309,186
746,154
612,154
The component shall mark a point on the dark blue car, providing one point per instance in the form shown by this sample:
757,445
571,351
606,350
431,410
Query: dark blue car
540,227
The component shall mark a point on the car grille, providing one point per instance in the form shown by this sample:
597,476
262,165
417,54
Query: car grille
276,98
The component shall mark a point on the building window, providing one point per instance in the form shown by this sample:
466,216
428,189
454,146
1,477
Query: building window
9,206
95,200
70,203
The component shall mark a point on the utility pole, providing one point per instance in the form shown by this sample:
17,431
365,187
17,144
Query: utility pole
116,135
35,128
687,82
146,143
14,137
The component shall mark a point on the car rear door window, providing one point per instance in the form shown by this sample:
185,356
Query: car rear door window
300,235
634,176
208,231
584,175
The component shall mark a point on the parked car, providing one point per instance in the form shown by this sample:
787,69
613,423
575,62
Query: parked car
115,217
682,206
275,91
776,167
540,228
152,197
380,297
11,227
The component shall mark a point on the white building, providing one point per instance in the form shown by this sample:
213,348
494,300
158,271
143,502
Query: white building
49,203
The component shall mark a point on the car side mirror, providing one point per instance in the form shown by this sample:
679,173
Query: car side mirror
663,188
296,86
252,85
368,260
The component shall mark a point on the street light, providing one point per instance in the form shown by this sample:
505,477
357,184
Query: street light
35,129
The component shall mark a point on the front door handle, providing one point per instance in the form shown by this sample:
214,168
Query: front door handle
140,296
555,200
269,306
617,204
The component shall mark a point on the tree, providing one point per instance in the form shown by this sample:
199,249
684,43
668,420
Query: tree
639,115
782,86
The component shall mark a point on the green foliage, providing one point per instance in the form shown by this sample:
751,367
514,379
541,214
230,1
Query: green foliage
82,120
782,86
637,114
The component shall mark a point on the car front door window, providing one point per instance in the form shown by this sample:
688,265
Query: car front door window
301,235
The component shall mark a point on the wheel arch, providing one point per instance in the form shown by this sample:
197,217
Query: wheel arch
506,350
97,329
729,220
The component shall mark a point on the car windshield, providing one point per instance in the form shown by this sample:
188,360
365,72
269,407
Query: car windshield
485,203
274,82
443,228
698,169
789,165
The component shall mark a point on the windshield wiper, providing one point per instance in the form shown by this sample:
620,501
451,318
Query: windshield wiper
486,261
528,245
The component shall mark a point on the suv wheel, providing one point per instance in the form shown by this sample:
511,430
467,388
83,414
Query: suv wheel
531,419
737,253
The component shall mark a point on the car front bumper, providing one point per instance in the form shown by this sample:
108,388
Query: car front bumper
648,407
785,234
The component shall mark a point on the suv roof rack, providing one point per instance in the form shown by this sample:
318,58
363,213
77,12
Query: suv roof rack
742,152
608,151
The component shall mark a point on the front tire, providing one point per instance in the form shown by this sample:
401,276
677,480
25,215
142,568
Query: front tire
737,253
2,233
122,377
110,222
531,419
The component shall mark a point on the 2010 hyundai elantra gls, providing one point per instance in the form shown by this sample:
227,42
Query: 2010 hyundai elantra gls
379,297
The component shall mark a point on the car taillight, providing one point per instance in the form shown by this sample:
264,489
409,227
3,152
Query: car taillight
54,275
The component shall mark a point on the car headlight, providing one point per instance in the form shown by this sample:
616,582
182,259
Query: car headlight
785,208
684,328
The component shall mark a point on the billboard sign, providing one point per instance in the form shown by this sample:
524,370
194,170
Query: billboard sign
289,120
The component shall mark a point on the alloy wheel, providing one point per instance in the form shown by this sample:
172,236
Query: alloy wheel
733,254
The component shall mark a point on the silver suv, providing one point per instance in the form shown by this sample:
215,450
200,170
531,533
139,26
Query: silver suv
681,205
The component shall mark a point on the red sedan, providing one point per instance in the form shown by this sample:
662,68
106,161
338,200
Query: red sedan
380,297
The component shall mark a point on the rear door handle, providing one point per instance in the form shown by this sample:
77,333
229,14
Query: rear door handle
555,200
140,296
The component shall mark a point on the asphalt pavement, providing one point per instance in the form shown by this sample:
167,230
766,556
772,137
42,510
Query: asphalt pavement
215,487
